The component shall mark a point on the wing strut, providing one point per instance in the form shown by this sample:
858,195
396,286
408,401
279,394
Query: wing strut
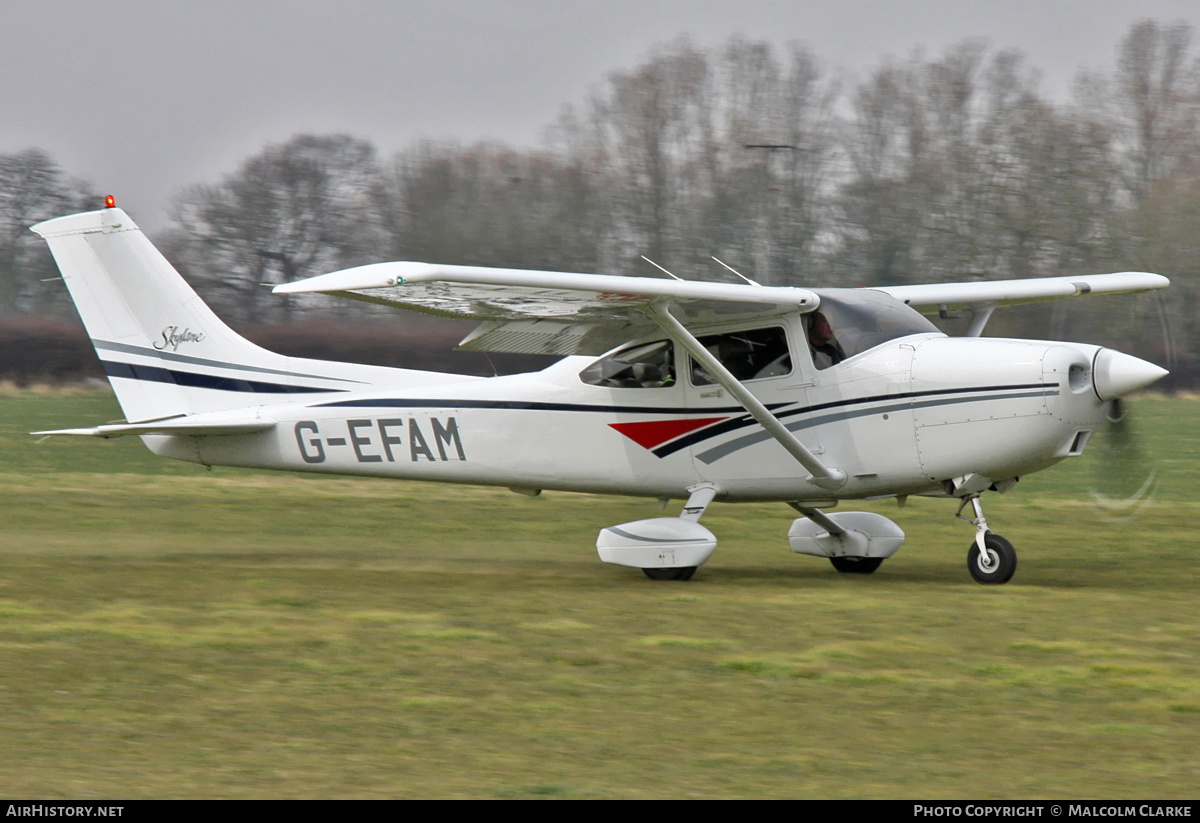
819,517
980,314
822,475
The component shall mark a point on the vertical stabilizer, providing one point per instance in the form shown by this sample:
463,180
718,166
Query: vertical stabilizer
165,352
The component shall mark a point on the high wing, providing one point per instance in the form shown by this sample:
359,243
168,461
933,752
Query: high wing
1033,290
981,297
545,312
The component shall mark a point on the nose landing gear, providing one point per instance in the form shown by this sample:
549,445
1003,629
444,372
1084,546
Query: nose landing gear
991,560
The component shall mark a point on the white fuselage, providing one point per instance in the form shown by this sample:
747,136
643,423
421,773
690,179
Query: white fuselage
901,418
723,391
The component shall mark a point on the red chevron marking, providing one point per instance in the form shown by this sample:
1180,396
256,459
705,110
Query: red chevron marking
654,433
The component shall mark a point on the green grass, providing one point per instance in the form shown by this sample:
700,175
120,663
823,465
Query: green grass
171,632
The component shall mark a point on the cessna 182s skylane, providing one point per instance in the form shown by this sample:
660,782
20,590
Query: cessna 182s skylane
671,389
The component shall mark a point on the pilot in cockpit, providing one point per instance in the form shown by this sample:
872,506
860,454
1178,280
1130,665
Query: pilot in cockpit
826,351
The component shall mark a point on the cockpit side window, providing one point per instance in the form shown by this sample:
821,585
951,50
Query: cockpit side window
851,321
822,342
749,355
644,366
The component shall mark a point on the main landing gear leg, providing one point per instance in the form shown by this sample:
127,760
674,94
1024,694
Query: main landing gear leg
698,499
854,542
665,548
991,559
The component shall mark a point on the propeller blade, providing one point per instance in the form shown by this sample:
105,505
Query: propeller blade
1126,478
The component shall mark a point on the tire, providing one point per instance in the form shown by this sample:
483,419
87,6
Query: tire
998,566
681,573
856,565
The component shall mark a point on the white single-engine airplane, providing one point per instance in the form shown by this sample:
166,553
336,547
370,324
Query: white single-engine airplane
670,389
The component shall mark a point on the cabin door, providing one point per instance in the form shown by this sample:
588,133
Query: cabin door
731,448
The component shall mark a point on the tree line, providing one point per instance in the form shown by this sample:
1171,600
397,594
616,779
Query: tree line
926,169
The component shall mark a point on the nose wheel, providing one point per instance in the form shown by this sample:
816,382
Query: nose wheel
991,560
995,564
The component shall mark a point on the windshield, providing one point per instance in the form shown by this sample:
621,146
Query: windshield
850,321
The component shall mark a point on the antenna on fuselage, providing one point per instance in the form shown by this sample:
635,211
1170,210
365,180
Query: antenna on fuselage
660,268
735,271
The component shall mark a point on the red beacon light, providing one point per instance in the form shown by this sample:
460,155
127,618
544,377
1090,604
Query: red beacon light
110,202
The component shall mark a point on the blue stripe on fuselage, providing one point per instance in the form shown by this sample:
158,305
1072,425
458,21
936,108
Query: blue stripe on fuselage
196,380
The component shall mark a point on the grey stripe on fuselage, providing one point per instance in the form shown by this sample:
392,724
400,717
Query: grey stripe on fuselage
201,361
725,449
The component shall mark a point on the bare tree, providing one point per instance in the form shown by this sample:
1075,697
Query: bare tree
33,188
960,169
490,204
300,208
1155,96
666,145
1150,105
881,202
641,138
1151,101
779,143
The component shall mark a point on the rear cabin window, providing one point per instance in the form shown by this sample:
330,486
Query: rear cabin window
644,366
749,355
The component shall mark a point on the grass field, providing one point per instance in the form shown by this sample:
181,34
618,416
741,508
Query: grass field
171,632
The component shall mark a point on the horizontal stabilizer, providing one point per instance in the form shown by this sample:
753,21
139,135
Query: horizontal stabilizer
191,428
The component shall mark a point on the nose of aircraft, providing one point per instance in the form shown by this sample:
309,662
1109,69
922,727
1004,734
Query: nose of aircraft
1115,374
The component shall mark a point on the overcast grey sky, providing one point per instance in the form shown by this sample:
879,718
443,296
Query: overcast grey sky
143,98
